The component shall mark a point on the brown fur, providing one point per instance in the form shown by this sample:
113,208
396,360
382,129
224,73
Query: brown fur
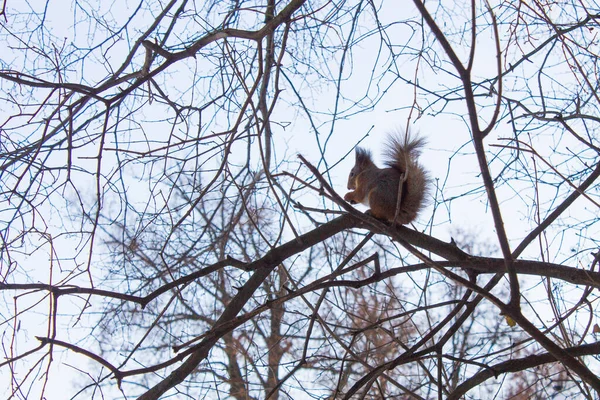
378,187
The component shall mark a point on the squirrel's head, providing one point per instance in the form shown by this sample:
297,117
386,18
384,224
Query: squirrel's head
363,162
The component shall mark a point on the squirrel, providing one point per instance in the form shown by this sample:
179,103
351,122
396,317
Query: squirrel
378,188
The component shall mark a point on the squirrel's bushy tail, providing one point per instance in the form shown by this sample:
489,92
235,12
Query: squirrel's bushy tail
402,154
402,150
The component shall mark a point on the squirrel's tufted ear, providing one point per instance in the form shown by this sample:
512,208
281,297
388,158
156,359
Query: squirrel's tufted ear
363,157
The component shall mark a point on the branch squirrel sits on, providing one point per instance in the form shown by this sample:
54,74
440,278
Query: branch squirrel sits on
378,188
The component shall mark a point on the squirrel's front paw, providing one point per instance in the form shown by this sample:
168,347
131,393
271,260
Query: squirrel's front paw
348,197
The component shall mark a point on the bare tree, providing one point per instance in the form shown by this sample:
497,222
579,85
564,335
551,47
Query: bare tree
159,236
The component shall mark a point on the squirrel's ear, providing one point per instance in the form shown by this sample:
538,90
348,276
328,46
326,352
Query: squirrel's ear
363,156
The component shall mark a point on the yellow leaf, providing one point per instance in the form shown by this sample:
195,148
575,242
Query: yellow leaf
511,322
